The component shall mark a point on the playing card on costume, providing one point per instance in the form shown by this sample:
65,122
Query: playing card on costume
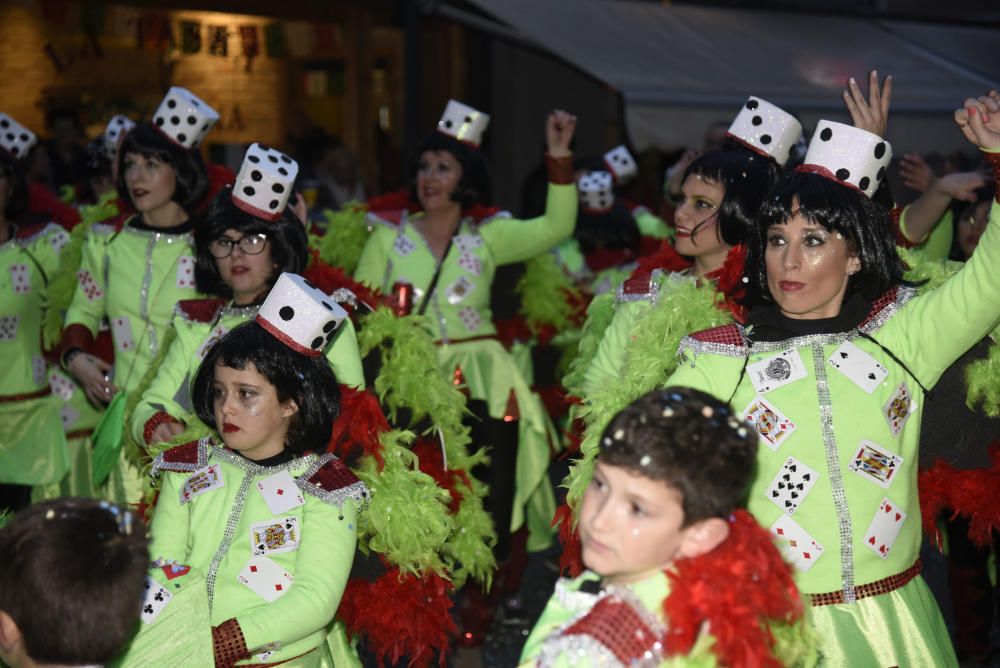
875,463
791,485
470,263
265,578
201,481
68,416
771,424
58,241
90,289
777,371
275,536
38,368
796,544
884,528
280,493
403,245
470,318
185,271
8,327
121,331
861,368
898,409
154,600
458,290
467,242
20,275
212,339
61,385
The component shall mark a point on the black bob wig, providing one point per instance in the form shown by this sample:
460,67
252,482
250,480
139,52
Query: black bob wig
192,178
308,381
746,178
473,187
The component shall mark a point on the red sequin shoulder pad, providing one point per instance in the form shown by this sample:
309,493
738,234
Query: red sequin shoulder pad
330,480
182,458
728,340
198,310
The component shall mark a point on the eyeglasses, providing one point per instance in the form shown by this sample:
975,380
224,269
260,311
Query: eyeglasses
250,244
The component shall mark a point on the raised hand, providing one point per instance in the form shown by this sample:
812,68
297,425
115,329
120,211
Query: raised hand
559,129
916,173
979,120
871,114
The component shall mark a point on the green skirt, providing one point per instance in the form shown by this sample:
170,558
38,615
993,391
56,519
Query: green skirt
32,443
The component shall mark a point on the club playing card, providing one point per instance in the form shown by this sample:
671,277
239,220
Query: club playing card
470,318
121,332
201,481
776,371
275,536
154,600
212,339
61,386
884,529
58,240
771,425
875,463
403,245
280,493
458,290
791,485
472,264
89,286
467,242
897,410
264,656
185,271
8,327
795,543
861,368
68,416
265,578
20,275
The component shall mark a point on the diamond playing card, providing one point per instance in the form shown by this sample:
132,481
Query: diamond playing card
58,240
402,245
861,368
266,578
458,290
798,547
89,286
470,263
280,493
61,386
212,339
875,463
201,481
898,409
470,318
771,425
275,536
121,333
467,242
154,600
185,271
20,275
791,485
776,371
884,529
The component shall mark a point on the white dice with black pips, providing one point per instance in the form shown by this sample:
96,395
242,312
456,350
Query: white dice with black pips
621,164
184,118
596,191
264,184
15,138
463,123
849,155
114,132
300,315
766,128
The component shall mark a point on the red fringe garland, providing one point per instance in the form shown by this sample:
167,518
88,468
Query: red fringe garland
571,560
428,451
758,588
393,201
357,429
329,278
729,278
401,616
972,493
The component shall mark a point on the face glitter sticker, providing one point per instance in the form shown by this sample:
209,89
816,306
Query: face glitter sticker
771,425
899,408
275,536
875,463
795,543
777,371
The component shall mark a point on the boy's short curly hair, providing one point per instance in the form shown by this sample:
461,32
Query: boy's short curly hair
691,441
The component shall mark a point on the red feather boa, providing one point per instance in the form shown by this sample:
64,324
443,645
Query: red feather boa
357,429
665,259
428,451
571,560
729,278
972,493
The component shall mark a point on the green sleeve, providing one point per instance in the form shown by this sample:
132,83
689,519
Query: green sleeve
610,358
345,358
937,246
168,379
934,329
322,566
84,310
371,264
651,225
713,374
171,522
512,240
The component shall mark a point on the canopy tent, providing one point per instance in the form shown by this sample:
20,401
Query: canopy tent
680,67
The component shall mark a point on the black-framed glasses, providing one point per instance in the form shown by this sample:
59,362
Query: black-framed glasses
250,244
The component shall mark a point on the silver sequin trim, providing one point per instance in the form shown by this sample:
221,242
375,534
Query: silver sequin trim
652,294
356,492
344,296
836,475
147,278
244,312
160,465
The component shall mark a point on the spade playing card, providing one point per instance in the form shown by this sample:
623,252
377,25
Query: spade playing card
458,290
275,536
20,275
470,318
403,245
875,463
776,371
861,368
121,332
884,529
201,481
280,493
798,547
89,286
154,600
265,578
185,271
8,327
470,263
791,485
897,410
467,242
771,425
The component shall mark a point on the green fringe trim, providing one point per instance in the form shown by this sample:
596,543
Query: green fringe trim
545,292
62,285
686,306
600,313
345,237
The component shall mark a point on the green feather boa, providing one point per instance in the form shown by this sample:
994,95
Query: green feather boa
600,313
345,236
544,289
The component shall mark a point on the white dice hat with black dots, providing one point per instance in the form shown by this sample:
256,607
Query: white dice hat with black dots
621,164
183,118
15,138
300,315
264,184
596,191
766,128
848,155
114,132
463,123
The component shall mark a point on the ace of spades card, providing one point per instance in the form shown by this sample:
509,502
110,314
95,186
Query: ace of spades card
154,600
275,536
265,578
795,543
884,529
791,485
280,493
776,371
860,368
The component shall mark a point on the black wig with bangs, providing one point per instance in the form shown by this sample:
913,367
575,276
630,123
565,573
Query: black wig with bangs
147,141
864,224
745,178
473,187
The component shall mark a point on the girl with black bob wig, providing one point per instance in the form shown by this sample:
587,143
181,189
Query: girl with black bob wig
473,187
189,168
307,381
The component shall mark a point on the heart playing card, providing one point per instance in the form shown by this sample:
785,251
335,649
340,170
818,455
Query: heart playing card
884,529
798,547
470,318
280,493
185,271
861,368
20,275
265,578
790,486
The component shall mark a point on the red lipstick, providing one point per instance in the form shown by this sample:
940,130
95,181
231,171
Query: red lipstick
229,428
791,286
